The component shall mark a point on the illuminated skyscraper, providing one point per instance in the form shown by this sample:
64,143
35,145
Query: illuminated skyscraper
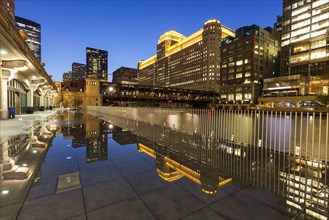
33,31
191,62
305,37
78,71
97,61
304,55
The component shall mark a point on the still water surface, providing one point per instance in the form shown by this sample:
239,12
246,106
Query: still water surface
113,167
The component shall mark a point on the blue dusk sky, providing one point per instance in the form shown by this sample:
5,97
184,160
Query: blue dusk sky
129,30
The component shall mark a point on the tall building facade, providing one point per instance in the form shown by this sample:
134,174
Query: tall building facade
78,71
304,66
8,7
124,74
97,63
245,61
304,37
191,62
67,76
33,31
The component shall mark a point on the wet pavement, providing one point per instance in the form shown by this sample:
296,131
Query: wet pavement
116,168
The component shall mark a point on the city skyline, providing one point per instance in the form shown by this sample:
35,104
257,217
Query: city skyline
129,30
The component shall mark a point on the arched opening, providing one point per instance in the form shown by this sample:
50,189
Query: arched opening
17,96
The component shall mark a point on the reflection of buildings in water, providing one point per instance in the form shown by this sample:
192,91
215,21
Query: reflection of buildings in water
305,188
172,166
272,129
97,149
96,140
301,184
124,137
11,169
78,132
88,132
20,157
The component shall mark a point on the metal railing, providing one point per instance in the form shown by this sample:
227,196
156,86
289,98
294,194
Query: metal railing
296,133
283,152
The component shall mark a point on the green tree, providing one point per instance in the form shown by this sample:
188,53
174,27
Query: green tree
76,101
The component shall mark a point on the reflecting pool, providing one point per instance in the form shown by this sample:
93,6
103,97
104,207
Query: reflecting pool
78,166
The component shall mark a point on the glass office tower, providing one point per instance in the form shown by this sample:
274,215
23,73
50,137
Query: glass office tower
97,61
33,31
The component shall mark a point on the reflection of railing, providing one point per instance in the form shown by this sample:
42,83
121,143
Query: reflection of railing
304,133
262,158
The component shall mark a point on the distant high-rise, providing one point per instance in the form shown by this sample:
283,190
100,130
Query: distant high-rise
33,31
278,24
78,71
124,74
8,7
97,61
67,76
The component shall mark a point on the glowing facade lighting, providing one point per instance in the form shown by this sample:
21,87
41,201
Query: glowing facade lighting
4,192
3,52
21,68
282,87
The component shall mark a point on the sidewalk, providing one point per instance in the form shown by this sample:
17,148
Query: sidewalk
21,123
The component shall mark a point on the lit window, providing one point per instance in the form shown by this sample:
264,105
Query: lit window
238,75
230,97
247,74
239,63
238,96
318,3
300,10
247,96
301,48
318,54
246,81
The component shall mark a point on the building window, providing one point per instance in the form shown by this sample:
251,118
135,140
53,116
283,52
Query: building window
238,75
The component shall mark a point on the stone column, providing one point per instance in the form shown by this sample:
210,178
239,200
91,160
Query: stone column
30,104
42,100
5,74
48,101
30,98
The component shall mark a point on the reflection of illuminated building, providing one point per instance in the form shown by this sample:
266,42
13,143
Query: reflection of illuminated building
174,166
123,137
97,149
78,132
85,130
96,141
301,185
305,191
